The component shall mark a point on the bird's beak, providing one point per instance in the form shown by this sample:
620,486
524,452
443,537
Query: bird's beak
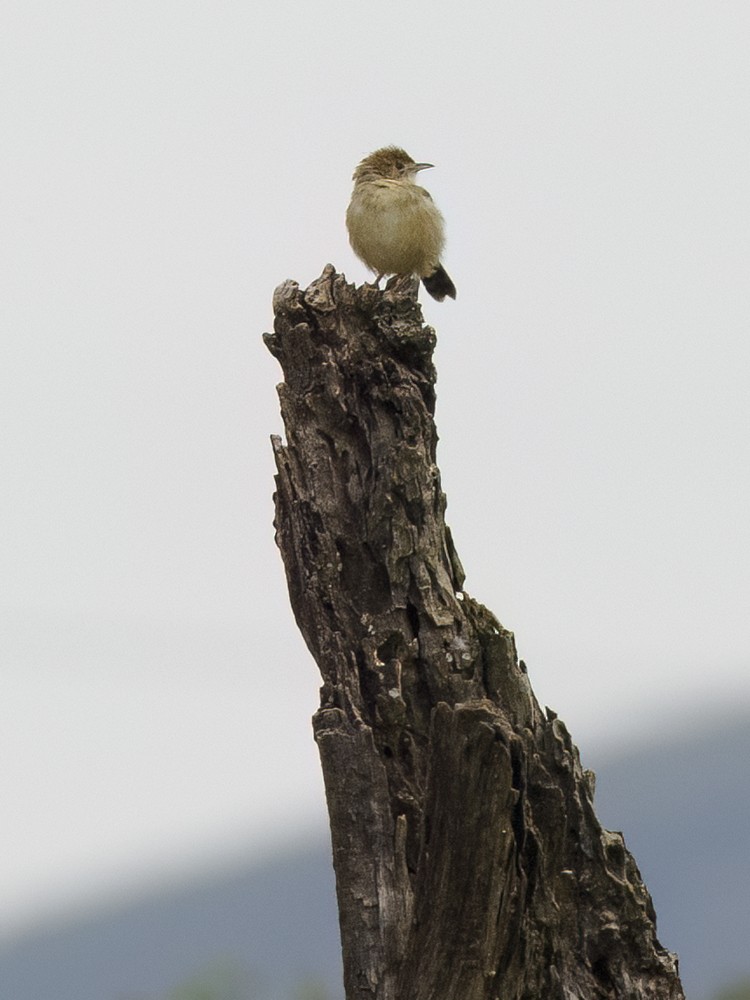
422,166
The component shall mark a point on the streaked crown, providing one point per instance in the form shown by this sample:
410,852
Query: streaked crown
389,162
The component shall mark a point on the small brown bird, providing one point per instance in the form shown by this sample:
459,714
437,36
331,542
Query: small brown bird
394,225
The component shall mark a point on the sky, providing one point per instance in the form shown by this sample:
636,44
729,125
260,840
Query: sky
164,167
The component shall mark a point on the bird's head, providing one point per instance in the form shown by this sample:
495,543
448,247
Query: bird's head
390,162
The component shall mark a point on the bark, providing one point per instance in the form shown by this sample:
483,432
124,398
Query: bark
469,861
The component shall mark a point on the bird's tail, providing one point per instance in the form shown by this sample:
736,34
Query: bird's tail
438,284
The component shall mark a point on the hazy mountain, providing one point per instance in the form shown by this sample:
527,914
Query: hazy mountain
684,806
276,922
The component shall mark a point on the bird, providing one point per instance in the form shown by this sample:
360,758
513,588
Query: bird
394,225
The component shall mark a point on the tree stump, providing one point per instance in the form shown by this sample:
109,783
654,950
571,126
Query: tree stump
469,861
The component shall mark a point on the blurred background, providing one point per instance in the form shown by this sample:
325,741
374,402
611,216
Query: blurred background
164,166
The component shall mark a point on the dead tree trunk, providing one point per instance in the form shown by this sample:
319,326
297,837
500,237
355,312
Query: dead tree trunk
469,862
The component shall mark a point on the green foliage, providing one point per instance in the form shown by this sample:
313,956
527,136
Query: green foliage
221,980
225,980
738,991
311,989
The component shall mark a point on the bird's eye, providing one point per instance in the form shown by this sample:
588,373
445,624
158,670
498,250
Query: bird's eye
400,165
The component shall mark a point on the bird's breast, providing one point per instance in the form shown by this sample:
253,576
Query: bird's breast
395,228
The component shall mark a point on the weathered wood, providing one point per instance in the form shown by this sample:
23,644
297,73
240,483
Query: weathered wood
469,861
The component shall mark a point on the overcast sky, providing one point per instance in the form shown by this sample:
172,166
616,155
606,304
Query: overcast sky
164,166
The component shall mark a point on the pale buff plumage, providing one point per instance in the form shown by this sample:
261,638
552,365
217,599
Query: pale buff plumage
394,225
